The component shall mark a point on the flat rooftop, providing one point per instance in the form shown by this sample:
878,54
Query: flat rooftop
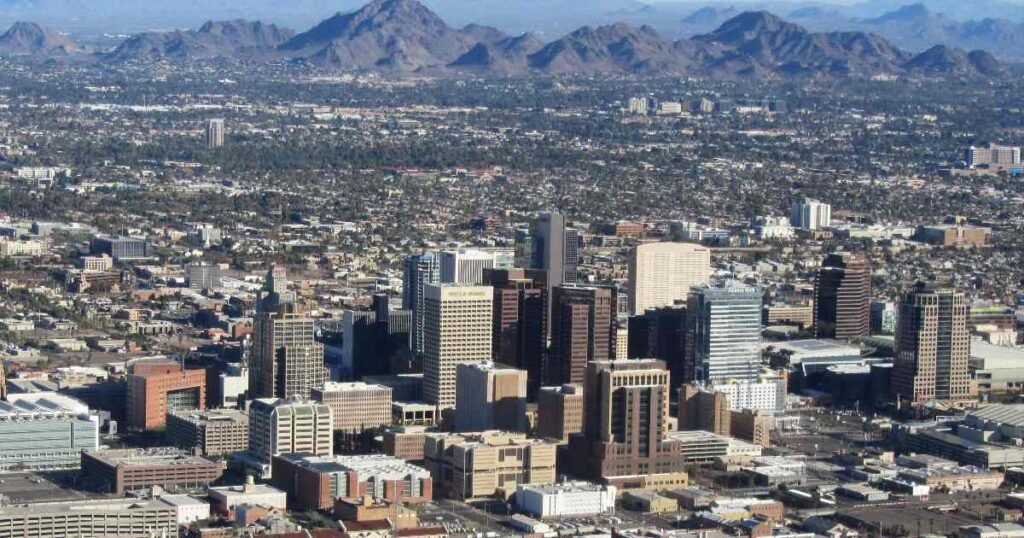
133,457
334,386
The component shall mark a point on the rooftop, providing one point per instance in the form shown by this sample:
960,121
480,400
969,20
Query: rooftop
1009,414
133,457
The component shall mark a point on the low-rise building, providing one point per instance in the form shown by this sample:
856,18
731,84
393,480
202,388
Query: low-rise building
225,499
473,466
405,443
315,483
121,471
648,502
213,433
571,499
968,478
105,517
48,432
413,414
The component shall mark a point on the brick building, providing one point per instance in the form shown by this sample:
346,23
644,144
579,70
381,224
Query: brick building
158,388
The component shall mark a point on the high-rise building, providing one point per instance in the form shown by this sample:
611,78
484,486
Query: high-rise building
625,428
554,248
467,265
356,406
520,318
811,214
582,330
883,317
994,157
661,274
701,409
457,329
933,346
215,134
202,276
559,412
724,332
490,397
661,334
421,270
286,358
158,388
278,426
842,297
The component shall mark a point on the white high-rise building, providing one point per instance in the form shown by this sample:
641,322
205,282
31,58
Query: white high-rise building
811,214
466,266
279,426
457,330
662,273
215,134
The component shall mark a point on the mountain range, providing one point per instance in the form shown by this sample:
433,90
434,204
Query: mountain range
404,36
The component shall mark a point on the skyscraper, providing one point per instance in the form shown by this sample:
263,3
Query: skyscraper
554,248
811,214
286,358
420,271
933,346
662,273
724,332
582,330
215,134
287,426
457,327
520,319
842,297
625,427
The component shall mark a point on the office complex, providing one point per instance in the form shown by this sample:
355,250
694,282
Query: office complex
811,215
421,270
520,320
119,248
490,397
158,388
466,266
842,297
316,482
625,427
287,426
994,157
286,358
457,329
933,346
45,433
661,274
218,432
559,412
356,406
215,134
724,333
121,471
372,339
202,276
114,518
582,330
476,466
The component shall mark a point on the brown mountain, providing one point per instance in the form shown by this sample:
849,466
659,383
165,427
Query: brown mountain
31,38
235,38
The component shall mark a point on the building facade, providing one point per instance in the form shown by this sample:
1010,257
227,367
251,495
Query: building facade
560,412
842,297
582,330
356,406
217,432
475,466
316,482
155,389
48,433
933,346
457,330
421,270
289,426
520,320
121,471
490,397
724,333
661,274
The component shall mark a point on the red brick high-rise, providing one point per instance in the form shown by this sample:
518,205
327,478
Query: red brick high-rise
582,330
154,389
520,320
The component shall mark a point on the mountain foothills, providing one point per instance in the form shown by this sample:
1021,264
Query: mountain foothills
404,36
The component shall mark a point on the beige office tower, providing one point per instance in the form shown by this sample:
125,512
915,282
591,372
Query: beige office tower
286,359
490,397
356,406
278,426
456,330
662,273
933,346
559,411
701,409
